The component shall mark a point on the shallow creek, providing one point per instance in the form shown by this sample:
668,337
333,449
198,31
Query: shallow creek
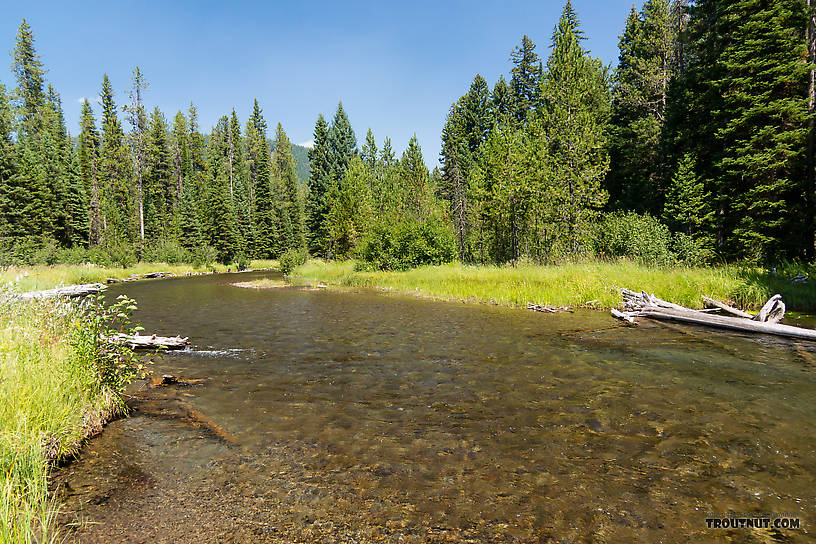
328,416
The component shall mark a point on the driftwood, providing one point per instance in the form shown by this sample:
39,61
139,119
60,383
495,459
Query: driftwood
71,291
548,309
765,322
726,308
145,341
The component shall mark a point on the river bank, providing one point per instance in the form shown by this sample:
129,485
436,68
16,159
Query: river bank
30,278
59,384
593,284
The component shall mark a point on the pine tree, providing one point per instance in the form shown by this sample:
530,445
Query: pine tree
138,142
88,157
291,205
319,184
188,218
526,76
574,129
349,209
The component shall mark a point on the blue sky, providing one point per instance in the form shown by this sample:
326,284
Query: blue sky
397,67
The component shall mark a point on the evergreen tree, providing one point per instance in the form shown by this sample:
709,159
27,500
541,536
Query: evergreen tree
342,143
12,191
501,101
114,174
525,80
30,74
317,207
219,218
574,129
416,182
179,151
293,235
159,182
188,217
260,180
369,151
138,142
688,205
239,185
349,209
88,156
646,65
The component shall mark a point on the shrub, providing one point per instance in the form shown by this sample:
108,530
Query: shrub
639,237
291,259
242,262
691,251
167,252
407,244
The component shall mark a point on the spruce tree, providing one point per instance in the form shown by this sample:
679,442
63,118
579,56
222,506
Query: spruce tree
12,191
30,75
239,186
342,143
646,65
501,101
219,218
319,185
526,74
293,235
260,182
137,118
115,175
158,179
179,151
369,151
88,157
688,205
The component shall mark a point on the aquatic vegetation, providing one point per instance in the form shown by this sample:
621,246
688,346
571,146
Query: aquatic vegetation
59,383
590,283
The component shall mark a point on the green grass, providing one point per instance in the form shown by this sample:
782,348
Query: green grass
31,278
591,283
51,397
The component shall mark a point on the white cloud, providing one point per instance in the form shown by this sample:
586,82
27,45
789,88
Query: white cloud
308,145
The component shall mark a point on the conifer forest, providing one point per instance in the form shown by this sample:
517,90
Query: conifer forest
696,147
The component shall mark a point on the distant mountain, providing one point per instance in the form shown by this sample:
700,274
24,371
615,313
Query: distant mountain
301,155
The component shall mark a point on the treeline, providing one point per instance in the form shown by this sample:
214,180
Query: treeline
705,127
157,190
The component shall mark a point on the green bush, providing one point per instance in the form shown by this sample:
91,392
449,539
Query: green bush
242,262
167,252
690,251
291,259
407,244
639,237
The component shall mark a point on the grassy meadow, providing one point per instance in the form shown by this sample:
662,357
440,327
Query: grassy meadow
581,284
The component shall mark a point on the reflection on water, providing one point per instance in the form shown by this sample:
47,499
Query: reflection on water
360,417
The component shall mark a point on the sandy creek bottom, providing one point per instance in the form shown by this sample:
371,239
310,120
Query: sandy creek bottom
361,417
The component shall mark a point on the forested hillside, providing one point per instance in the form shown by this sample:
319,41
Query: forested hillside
697,146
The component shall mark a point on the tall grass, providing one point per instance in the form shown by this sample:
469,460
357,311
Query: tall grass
591,283
58,384
31,278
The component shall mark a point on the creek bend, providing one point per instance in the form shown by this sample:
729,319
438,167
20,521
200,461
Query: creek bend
364,417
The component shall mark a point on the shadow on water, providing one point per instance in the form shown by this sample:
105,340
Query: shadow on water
361,417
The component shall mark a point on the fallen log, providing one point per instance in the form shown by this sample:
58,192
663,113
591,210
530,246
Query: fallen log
70,291
139,341
726,322
726,308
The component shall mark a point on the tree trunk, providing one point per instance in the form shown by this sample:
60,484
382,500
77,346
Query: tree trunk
811,165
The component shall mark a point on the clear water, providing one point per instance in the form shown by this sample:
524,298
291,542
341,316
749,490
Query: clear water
363,417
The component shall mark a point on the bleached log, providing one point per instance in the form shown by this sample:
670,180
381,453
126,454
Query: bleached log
626,316
726,308
139,341
768,308
70,291
725,322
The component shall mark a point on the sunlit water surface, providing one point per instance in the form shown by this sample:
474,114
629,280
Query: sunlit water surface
331,416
